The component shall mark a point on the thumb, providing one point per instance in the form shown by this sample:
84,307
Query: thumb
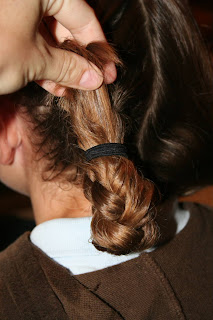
66,69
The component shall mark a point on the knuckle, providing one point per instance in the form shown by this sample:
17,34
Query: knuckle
69,71
54,6
39,68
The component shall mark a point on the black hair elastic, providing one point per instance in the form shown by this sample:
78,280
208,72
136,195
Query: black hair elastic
106,149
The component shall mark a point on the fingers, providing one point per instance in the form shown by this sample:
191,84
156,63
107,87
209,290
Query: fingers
66,69
82,74
28,56
59,32
79,18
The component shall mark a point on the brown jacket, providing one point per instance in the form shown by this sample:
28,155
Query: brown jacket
173,282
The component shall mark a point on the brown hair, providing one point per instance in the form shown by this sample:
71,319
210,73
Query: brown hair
160,106
122,200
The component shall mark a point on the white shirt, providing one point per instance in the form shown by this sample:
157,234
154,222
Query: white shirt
68,242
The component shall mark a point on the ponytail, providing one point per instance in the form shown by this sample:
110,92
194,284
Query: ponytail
122,200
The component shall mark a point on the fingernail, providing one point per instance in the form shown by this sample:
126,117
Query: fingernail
90,80
110,73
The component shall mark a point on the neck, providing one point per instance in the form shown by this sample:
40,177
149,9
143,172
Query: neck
51,200
55,199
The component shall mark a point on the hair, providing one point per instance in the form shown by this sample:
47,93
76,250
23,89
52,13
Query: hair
160,107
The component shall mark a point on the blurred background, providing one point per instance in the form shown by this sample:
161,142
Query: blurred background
16,215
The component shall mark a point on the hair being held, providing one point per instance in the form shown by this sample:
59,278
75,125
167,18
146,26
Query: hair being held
122,200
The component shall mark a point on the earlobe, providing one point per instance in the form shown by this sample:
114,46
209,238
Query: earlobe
10,138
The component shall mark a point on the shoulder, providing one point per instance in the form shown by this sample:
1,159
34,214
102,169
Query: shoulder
166,283
10,258
160,284
11,274
33,286
23,285
187,263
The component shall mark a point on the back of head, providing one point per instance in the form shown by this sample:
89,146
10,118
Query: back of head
160,107
166,90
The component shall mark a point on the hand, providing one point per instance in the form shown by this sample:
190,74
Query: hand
26,55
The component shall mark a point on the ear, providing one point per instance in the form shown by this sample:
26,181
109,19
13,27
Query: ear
10,138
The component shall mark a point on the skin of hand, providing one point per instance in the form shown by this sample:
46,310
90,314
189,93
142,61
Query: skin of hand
26,55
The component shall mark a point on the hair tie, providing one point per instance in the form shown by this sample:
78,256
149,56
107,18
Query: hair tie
106,149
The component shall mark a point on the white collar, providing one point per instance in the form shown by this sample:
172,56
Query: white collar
68,242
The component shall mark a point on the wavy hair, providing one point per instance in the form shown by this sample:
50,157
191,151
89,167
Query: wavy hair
160,106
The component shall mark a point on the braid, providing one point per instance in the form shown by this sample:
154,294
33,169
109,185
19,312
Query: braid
122,205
